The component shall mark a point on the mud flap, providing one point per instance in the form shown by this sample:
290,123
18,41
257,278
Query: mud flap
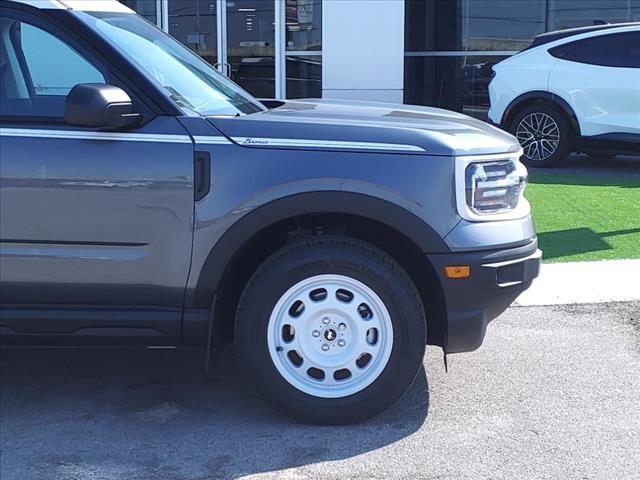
212,349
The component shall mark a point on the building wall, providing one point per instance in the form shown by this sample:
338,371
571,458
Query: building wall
363,50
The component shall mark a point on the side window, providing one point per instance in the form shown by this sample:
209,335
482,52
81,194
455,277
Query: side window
614,50
38,70
54,67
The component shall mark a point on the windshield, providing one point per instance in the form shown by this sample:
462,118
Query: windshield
190,81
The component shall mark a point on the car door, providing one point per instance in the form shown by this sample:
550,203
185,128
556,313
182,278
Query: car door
600,77
95,226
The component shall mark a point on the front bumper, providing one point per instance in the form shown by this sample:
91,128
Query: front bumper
497,278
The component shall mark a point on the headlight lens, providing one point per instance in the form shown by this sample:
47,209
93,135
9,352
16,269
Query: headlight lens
494,187
491,187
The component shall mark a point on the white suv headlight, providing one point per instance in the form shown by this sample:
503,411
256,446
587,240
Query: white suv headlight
491,187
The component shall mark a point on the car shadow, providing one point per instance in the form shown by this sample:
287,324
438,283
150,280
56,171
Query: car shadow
574,241
623,171
133,413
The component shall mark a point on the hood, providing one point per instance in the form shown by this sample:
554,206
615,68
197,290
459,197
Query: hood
369,126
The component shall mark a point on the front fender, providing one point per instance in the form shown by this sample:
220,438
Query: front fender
537,95
217,242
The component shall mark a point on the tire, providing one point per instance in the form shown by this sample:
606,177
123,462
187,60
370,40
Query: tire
545,135
268,308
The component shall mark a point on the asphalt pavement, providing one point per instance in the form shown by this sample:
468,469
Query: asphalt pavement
553,393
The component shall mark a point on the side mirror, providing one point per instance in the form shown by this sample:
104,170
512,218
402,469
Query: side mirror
97,105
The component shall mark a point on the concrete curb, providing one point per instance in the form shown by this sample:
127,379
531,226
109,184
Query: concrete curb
584,282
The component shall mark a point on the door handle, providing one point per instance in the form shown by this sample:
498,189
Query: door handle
202,175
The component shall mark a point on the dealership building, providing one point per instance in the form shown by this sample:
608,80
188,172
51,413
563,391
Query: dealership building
426,52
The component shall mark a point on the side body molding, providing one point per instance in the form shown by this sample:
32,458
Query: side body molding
340,202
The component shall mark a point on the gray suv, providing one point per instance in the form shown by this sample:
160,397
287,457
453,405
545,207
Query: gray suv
146,199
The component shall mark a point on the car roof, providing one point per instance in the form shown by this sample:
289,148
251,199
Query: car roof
80,5
549,37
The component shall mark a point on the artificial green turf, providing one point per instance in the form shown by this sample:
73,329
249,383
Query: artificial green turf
581,217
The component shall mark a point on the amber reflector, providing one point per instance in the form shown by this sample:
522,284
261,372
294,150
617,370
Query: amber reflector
458,271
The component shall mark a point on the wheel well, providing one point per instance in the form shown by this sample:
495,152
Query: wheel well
270,239
527,102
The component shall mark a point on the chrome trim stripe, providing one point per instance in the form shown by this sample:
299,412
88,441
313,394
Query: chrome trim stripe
86,135
534,256
206,140
305,143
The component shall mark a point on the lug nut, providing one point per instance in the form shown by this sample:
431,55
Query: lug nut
326,320
325,347
341,343
316,333
342,326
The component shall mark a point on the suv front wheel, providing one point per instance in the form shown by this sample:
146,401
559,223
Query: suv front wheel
331,330
544,134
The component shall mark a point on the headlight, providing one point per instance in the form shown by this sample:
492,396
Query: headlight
491,187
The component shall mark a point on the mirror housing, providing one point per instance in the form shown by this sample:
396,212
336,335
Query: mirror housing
97,105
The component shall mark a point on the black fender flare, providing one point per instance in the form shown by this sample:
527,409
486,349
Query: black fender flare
540,95
224,252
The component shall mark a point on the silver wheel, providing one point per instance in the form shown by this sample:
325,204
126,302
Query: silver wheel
539,135
330,336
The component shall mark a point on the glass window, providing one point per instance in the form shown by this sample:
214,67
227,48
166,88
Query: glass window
304,34
54,67
500,24
194,23
304,76
304,25
39,86
457,83
189,81
571,13
613,50
144,8
472,25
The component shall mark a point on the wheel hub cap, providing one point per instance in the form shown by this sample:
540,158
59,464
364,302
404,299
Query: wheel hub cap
330,336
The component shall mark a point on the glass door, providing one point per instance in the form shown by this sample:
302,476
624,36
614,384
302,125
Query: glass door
196,24
272,48
236,36
250,45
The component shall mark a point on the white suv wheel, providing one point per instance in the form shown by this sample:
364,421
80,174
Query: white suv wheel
539,135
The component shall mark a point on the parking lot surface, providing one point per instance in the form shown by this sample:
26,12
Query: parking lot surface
553,393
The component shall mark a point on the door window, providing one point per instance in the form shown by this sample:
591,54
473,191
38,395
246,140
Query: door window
613,50
38,70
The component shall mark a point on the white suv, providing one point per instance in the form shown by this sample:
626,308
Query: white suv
572,90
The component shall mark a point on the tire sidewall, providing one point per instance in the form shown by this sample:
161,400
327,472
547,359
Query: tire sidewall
281,273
